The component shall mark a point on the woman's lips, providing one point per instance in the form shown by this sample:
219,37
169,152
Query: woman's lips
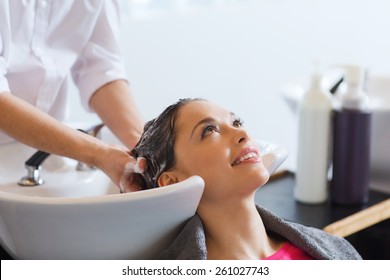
247,155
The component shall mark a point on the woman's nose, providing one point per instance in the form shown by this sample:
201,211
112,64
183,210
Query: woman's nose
241,136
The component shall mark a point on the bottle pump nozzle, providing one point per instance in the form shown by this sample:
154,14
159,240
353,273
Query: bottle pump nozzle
354,97
354,74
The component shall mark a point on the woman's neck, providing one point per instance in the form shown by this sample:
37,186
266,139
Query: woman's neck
237,232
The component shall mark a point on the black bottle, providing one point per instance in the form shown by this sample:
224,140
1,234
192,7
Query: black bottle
351,143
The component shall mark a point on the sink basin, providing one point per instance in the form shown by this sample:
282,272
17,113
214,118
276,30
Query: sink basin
82,215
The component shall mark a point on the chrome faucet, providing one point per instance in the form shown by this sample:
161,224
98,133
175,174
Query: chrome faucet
34,163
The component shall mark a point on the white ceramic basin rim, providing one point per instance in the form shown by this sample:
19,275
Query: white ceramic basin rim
121,226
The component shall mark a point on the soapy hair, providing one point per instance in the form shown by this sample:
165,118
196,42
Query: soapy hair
157,143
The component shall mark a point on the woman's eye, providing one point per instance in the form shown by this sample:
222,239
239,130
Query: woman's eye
238,123
208,129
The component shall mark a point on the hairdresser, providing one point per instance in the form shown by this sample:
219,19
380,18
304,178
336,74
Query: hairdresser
44,46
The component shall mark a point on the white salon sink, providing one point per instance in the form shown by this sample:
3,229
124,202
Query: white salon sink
82,215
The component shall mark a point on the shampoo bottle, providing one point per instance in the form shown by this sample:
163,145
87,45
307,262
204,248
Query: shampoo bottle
314,138
351,142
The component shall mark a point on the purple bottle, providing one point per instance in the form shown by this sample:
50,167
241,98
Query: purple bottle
351,143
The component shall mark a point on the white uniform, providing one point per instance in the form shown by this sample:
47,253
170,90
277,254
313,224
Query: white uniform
44,44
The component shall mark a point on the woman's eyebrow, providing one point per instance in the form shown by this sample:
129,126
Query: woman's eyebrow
209,120
203,121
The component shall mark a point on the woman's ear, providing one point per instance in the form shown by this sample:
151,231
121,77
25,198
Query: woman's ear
167,178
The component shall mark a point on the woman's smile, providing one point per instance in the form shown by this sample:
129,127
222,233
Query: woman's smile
247,155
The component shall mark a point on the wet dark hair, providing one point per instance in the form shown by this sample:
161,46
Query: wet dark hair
157,144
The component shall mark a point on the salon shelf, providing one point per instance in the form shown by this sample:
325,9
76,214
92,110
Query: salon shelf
277,196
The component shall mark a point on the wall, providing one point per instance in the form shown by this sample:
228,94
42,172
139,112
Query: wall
240,53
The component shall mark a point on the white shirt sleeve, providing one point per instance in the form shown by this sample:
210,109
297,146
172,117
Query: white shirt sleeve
101,61
4,87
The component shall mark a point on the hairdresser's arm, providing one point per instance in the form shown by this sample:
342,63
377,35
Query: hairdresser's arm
32,127
115,105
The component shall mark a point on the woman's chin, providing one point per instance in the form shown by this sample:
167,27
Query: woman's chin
262,177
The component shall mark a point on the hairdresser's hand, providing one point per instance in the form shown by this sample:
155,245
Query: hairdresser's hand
127,182
120,167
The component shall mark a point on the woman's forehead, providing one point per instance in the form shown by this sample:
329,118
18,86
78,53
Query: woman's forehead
200,109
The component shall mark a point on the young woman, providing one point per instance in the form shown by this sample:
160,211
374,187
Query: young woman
197,137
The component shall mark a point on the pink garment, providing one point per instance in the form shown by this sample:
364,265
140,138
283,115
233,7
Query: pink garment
289,252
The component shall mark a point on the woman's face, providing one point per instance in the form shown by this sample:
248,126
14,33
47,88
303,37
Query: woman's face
211,143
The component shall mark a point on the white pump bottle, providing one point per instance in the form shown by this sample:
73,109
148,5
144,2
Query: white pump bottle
314,144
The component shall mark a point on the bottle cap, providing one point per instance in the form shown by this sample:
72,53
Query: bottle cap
316,77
